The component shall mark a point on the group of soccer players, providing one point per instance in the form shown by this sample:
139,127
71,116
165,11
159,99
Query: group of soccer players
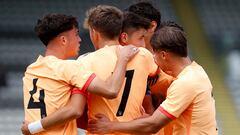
139,80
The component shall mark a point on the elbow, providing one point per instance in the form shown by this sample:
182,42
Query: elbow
76,112
155,128
112,95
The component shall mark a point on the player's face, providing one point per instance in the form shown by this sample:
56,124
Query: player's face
137,38
159,60
73,42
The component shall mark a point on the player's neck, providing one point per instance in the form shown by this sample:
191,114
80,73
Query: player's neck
104,43
179,64
149,47
52,50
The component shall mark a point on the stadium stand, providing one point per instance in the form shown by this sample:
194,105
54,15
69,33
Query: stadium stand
220,20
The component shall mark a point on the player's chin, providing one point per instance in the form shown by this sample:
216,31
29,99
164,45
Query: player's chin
74,55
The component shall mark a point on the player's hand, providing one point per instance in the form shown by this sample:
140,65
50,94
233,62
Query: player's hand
126,53
24,128
101,125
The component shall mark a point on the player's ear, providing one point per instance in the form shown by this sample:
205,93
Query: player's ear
93,34
63,39
123,38
163,54
153,26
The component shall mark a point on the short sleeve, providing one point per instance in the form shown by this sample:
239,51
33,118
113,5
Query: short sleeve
179,96
152,66
79,91
78,75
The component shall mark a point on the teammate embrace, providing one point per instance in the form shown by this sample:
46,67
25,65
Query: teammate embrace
138,80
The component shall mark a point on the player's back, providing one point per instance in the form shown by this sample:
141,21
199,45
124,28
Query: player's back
127,105
45,91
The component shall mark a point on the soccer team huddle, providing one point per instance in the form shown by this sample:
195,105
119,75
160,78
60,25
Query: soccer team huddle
140,79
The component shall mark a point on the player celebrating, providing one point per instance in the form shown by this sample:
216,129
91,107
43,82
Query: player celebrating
189,100
48,81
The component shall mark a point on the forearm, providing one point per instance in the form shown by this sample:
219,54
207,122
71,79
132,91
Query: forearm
115,81
111,86
59,117
144,125
151,124
74,109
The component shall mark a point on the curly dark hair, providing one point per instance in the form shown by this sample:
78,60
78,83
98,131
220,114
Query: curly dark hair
146,10
52,25
170,37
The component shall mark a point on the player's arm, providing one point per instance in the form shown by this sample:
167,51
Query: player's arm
76,106
72,110
110,87
151,124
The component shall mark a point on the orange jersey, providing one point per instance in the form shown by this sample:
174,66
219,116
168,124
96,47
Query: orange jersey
159,83
158,86
127,105
46,88
189,101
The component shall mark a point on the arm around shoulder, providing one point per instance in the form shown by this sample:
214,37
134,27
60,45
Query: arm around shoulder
110,87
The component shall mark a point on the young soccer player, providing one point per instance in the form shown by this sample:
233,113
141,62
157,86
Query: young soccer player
189,100
133,32
134,29
47,82
103,20
148,11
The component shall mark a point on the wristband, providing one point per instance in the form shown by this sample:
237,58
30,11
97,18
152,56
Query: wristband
35,127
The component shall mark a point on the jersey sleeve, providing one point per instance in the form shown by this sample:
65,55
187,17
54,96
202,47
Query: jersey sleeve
78,75
160,82
179,96
79,91
152,66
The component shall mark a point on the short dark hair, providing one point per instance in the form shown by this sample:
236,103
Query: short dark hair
134,21
52,25
170,37
106,19
146,10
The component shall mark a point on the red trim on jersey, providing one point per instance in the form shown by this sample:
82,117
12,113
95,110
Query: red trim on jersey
166,113
84,88
78,91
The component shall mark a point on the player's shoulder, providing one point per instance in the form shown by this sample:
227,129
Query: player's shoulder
144,52
107,51
70,64
84,56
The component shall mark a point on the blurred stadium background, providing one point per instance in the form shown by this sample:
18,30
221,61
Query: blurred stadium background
214,42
